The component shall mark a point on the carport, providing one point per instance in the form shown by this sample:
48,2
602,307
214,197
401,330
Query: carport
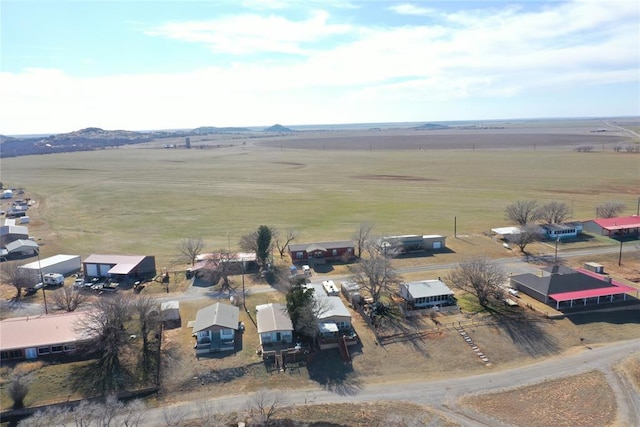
608,292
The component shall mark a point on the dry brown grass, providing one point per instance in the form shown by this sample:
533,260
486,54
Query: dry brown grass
631,368
581,400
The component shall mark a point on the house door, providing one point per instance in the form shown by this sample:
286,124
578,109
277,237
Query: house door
278,336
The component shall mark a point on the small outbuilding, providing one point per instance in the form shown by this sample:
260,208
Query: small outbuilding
22,247
170,314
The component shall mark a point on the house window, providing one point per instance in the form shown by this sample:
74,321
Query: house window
44,350
299,255
69,347
349,250
226,333
56,349
266,338
334,252
10,354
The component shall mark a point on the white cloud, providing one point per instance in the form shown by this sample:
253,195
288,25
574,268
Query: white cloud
399,71
410,9
246,34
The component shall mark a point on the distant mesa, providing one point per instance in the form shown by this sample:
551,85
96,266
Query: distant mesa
432,126
205,130
278,128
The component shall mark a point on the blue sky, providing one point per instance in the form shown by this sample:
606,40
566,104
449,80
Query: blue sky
182,64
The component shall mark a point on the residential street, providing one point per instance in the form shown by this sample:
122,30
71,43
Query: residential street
442,395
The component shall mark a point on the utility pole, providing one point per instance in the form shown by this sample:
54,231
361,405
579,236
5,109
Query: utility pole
44,294
620,256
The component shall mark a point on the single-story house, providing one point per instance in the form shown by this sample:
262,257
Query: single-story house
11,233
45,336
413,242
427,294
274,324
120,267
61,264
215,328
619,226
22,247
307,253
562,231
238,262
565,286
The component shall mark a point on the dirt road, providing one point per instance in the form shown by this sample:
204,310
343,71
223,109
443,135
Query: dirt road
443,395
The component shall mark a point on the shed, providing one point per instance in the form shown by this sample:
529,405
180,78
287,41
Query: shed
170,313
22,247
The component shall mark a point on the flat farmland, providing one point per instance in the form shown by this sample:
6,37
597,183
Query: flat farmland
144,198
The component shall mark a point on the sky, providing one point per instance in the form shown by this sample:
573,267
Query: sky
143,65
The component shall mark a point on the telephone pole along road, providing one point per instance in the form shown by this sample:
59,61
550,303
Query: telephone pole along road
442,395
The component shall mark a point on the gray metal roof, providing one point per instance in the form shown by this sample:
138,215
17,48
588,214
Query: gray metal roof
324,245
427,288
21,243
273,317
223,315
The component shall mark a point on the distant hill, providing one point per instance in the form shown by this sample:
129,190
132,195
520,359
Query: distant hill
205,130
82,140
278,128
431,126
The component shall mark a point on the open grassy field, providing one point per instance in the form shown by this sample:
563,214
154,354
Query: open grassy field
144,199
582,400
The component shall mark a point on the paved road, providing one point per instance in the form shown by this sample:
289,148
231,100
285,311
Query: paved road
443,395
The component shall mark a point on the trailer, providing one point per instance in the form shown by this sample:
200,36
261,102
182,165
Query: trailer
61,264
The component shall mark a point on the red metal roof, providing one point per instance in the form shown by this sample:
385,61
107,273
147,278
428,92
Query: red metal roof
619,223
591,293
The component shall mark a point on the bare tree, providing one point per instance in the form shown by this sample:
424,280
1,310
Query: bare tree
111,412
147,314
18,277
522,212
361,236
213,414
68,299
374,272
282,242
174,415
610,209
478,276
190,248
219,267
47,417
105,323
18,389
554,212
263,405
529,233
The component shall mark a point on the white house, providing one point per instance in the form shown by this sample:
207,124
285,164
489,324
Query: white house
274,324
426,294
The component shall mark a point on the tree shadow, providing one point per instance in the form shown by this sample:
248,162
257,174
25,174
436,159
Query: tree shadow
410,330
327,369
525,331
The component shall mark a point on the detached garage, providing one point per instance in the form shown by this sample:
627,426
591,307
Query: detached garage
120,267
